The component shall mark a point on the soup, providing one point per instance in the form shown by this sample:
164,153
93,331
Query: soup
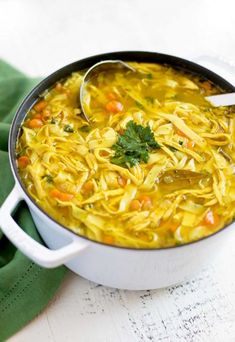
154,168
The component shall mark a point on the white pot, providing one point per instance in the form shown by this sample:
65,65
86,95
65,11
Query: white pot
123,268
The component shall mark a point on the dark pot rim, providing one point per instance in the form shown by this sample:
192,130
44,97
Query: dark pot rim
138,56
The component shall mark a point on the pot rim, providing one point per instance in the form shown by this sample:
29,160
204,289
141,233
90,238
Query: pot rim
47,82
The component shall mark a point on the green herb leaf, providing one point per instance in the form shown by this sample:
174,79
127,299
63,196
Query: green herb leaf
53,121
134,145
48,178
84,129
21,152
173,149
139,105
149,76
149,99
181,142
68,129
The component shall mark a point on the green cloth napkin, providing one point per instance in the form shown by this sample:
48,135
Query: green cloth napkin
25,288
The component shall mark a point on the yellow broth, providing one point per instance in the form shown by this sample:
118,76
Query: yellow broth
183,191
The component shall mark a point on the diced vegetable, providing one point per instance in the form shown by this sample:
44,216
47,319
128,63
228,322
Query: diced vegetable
112,96
206,85
35,123
146,202
211,219
122,181
108,239
180,133
190,144
59,87
38,116
104,153
39,106
62,196
173,226
88,187
46,114
114,107
135,205
23,161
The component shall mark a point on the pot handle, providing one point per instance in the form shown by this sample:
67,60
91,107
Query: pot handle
34,250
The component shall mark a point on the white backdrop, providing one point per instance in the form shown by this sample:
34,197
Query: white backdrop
39,36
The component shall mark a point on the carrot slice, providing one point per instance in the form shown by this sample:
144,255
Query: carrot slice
173,226
35,123
112,96
190,144
88,187
114,106
122,181
104,153
108,239
62,196
40,105
121,131
145,201
23,161
38,116
147,205
59,86
144,198
211,219
135,205
46,114
207,85
180,133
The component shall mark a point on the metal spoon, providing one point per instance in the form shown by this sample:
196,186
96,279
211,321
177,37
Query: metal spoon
222,99
215,100
94,71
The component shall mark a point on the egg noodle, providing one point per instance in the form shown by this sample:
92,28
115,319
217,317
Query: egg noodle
183,191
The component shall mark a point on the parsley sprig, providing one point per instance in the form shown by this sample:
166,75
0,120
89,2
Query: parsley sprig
134,145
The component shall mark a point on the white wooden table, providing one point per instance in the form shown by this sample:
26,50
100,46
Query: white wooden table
39,36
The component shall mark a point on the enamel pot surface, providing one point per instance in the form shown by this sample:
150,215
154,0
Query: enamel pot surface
119,267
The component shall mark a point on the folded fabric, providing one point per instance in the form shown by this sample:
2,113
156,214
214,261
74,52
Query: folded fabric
25,288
